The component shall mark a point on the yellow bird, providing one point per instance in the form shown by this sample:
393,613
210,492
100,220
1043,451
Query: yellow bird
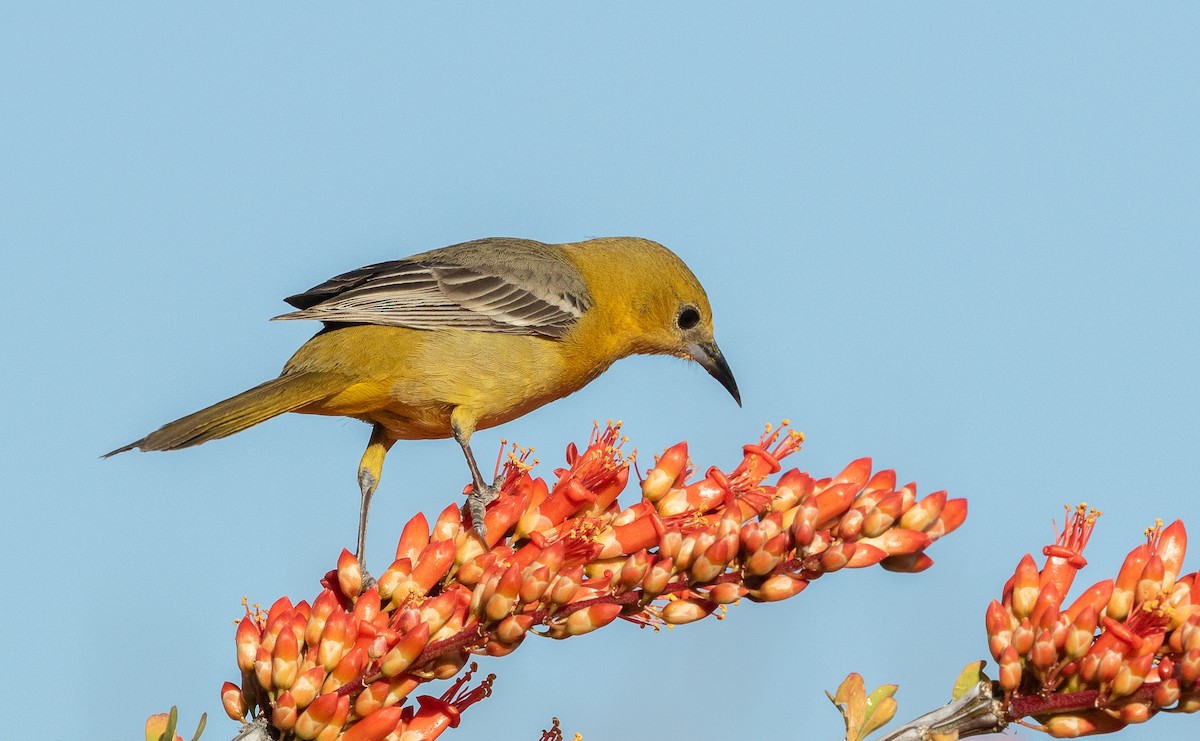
467,337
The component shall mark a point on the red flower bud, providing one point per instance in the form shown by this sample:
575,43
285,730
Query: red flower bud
349,574
248,639
591,618
688,610
406,651
413,538
376,726
234,702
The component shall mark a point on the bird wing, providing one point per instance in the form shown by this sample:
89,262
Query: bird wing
513,286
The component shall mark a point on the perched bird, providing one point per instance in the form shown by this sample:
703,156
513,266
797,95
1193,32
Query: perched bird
467,337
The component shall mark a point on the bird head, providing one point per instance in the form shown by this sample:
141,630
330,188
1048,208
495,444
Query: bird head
662,306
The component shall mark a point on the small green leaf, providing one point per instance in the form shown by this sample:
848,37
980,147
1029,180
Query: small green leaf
200,728
172,720
880,714
863,713
880,707
879,694
971,675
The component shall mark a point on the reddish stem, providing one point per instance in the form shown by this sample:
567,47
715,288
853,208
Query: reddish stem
1034,705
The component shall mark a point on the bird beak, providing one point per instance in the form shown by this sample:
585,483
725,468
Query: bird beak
709,355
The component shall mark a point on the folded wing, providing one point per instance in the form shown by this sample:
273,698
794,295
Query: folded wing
513,286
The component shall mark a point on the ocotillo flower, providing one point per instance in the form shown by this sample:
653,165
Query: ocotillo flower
1116,654
562,560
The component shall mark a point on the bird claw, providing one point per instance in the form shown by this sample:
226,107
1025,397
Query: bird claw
477,502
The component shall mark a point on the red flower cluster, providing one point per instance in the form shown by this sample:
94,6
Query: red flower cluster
1122,651
563,561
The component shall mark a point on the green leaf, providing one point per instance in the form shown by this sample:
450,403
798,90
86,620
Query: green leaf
971,675
172,720
880,714
863,713
200,728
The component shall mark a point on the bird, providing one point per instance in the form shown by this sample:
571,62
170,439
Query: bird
467,337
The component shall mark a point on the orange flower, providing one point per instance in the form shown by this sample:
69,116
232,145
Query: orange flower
565,559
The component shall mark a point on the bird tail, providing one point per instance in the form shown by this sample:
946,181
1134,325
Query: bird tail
284,394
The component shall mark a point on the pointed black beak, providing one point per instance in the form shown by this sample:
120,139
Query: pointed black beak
709,355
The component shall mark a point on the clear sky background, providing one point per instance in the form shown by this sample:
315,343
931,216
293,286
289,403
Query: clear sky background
959,239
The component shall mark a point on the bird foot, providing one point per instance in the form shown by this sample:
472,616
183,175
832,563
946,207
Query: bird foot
477,502
368,581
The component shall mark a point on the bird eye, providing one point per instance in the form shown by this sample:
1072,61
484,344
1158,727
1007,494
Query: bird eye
688,318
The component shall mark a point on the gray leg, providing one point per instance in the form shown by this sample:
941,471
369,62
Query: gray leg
482,494
369,471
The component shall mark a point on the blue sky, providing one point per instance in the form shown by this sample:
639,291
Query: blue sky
959,239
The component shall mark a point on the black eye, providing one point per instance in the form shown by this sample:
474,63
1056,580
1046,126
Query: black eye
688,318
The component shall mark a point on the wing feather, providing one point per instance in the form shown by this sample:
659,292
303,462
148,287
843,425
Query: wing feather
505,285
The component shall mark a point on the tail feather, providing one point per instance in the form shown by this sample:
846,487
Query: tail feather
284,394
